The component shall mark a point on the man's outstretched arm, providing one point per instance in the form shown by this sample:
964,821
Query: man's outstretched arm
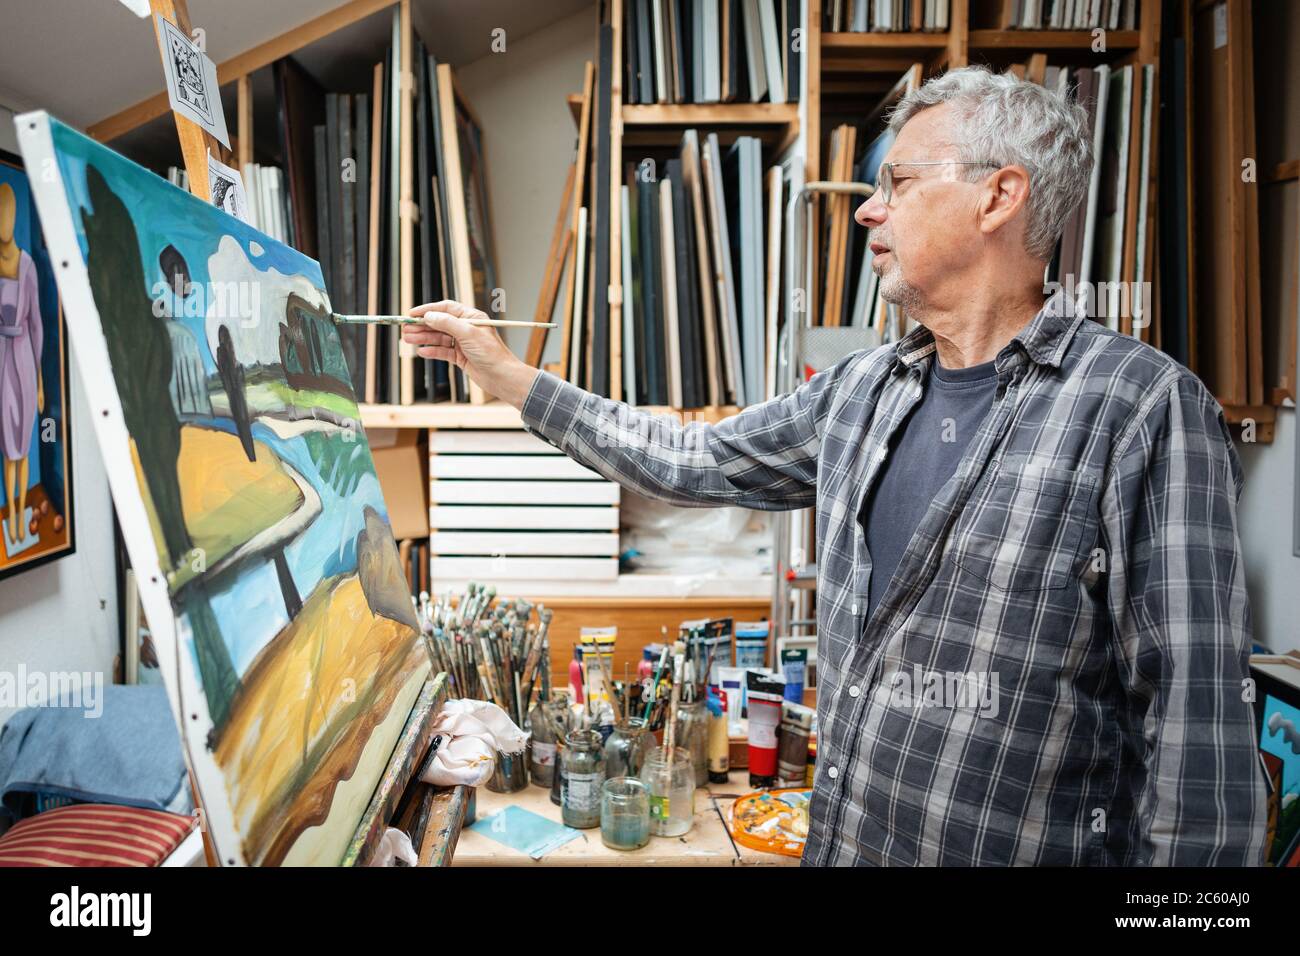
1177,594
765,457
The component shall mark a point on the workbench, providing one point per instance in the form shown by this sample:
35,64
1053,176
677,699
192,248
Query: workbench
707,844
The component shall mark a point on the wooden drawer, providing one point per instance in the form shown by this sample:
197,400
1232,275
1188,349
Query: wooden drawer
504,504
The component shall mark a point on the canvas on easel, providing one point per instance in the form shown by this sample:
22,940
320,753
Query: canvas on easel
247,496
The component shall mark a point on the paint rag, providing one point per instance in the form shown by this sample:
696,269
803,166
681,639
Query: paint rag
468,736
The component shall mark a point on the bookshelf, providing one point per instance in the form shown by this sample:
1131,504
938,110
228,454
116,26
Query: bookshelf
847,71
842,76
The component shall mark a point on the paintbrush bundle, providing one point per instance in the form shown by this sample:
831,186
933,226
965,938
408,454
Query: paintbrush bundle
495,650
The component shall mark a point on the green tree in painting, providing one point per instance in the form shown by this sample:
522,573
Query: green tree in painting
232,380
140,351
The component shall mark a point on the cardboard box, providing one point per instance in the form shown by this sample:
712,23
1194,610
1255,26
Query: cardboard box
402,465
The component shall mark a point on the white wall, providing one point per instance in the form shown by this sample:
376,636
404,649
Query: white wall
530,139
63,616
1267,518
8,137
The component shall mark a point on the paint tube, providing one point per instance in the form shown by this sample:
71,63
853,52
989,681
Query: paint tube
733,685
794,665
596,652
765,696
751,644
719,742
796,730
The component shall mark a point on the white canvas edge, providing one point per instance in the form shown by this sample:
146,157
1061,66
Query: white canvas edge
90,351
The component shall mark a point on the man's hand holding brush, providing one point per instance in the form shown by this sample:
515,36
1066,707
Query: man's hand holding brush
446,332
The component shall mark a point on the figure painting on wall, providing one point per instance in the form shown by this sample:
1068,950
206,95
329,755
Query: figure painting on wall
35,509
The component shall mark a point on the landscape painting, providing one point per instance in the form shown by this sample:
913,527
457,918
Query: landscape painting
35,462
247,496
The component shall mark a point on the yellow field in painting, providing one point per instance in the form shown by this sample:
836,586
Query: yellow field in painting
226,498
305,710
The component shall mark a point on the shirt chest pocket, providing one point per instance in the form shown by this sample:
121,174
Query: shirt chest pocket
1023,528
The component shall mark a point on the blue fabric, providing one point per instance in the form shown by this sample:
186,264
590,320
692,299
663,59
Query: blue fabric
129,755
926,452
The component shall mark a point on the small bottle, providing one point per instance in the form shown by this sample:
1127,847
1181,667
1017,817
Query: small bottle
541,763
584,772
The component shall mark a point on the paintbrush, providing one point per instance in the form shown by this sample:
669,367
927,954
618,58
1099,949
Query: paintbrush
670,731
654,688
409,320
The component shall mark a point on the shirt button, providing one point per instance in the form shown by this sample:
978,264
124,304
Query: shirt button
854,609
855,690
832,773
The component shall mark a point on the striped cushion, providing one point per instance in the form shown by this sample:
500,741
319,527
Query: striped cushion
94,834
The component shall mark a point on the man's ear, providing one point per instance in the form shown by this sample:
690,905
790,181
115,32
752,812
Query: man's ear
1005,194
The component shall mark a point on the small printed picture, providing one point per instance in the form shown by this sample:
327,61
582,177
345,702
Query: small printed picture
191,81
226,188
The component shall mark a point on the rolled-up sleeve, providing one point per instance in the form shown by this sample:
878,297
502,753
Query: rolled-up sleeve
765,457
1182,632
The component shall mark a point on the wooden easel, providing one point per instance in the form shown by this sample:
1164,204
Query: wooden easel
431,816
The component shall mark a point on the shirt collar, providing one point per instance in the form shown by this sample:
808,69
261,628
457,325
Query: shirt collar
1045,339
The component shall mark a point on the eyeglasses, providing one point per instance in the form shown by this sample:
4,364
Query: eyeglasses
885,178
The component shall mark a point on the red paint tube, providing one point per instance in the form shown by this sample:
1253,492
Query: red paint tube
766,693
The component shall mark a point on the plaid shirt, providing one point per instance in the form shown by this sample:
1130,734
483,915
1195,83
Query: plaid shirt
1055,672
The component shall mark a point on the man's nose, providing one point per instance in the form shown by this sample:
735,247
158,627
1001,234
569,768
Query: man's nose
872,212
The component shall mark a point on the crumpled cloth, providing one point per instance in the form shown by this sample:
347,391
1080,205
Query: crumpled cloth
468,736
395,849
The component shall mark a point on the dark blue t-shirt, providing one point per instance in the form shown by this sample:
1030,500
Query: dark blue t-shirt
923,455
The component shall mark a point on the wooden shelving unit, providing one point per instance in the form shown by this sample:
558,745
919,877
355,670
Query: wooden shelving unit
711,114
1117,41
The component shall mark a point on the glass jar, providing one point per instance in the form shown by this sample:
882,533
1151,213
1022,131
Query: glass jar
510,774
584,772
541,760
626,748
692,734
624,813
672,791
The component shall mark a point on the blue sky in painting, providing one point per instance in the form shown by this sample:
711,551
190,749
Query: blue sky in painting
249,608
1275,744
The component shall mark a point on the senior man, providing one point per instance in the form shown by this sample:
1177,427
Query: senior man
1032,618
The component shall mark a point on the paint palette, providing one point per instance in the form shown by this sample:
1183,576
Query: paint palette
774,821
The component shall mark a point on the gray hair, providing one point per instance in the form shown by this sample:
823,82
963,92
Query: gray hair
1013,122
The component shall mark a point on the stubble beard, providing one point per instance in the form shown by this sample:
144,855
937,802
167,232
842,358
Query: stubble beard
895,289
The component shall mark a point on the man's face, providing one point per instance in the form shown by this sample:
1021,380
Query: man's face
929,226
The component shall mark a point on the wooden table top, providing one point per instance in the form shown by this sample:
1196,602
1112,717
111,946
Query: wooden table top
706,844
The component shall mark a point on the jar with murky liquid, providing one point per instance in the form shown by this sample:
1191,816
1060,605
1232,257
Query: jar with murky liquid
626,748
583,773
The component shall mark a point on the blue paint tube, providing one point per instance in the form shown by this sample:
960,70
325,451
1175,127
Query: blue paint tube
794,665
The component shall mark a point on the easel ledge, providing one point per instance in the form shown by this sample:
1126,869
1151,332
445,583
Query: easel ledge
431,816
